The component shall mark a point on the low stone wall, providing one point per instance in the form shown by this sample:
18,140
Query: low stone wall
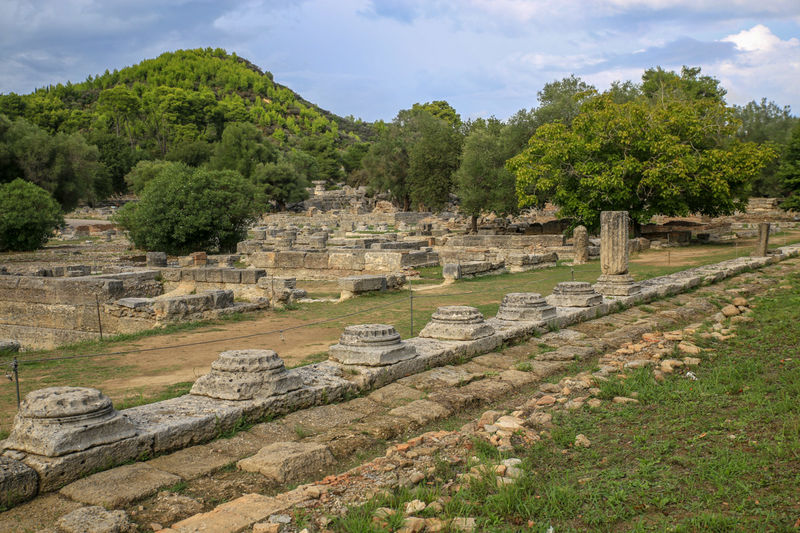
506,242
354,285
257,385
44,312
336,264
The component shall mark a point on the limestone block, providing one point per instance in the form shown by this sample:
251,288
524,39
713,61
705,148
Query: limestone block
9,345
214,275
614,242
200,275
451,271
290,259
251,275
574,294
18,482
371,345
232,276
289,461
220,299
316,260
245,374
458,323
345,261
364,283
95,519
171,274
119,486
528,306
580,244
59,420
156,259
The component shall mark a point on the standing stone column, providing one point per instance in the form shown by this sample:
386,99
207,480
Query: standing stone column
615,279
580,238
763,239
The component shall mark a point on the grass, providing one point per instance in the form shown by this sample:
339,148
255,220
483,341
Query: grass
721,453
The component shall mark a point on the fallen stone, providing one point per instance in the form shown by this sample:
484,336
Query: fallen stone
624,400
730,310
691,361
688,347
421,411
581,441
467,525
739,301
18,482
95,519
288,461
414,507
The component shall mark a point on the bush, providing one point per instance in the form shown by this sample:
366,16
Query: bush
28,216
183,210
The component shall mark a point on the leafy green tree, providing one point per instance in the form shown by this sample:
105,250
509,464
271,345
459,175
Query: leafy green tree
766,122
242,148
146,171
184,210
386,164
658,83
483,184
28,216
432,159
789,171
282,182
441,110
192,153
122,105
560,101
116,155
670,156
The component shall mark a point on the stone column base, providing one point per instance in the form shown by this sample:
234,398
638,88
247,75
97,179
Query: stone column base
617,285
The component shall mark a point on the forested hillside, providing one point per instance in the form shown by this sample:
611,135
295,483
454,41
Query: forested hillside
79,140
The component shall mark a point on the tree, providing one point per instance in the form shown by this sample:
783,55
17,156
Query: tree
147,170
192,153
789,171
242,148
483,184
766,122
658,83
116,155
28,216
184,210
560,101
668,156
281,182
432,160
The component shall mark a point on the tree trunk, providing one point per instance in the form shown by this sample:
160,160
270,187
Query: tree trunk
474,229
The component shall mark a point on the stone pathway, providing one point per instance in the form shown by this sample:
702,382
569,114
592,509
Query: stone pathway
183,490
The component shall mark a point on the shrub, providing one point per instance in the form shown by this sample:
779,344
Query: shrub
182,210
28,216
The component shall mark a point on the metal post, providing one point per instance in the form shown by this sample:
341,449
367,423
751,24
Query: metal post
15,368
411,306
572,270
99,322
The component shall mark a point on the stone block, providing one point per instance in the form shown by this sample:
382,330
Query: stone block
316,260
200,275
458,323
232,276
119,486
361,284
9,346
371,345
345,261
18,482
289,259
156,259
421,411
214,275
289,461
251,276
59,420
192,463
199,258
617,285
171,274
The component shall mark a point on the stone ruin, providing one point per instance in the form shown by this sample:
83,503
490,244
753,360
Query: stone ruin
371,345
457,323
574,294
64,433
244,374
615,279
528,306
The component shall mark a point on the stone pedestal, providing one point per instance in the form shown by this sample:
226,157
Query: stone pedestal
457,323
574,294
246,374
763,240
615,280
60,420
371,345
580,238
527,306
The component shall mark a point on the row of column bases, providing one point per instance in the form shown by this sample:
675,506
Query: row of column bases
615,280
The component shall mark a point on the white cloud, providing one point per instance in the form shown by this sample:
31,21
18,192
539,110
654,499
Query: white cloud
759,38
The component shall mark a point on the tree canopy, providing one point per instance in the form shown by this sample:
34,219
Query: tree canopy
28,216
668,155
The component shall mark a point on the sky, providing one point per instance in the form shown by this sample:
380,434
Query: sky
372,58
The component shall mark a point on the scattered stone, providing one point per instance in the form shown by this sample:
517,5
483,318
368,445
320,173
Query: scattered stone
467,525
414,507
581,441
624,400
546,400
739,301
594,403
688,347
691,361
119,486
266,527
95,519
288,461
730,310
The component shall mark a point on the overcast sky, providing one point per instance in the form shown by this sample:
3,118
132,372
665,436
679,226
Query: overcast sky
371,58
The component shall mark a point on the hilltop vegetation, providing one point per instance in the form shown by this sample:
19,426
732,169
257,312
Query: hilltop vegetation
174,107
